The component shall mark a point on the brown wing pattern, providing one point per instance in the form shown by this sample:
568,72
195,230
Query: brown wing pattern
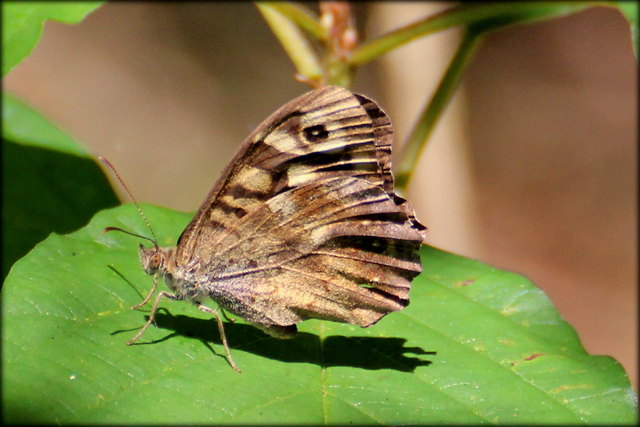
339,249
322,134
304,222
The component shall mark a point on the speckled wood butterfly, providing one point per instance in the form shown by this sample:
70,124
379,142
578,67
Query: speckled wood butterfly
303,223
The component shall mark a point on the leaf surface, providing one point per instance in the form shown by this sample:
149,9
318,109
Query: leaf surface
476,345
49,181
22,24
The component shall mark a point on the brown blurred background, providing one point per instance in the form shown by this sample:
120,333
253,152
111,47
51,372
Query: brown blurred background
533,168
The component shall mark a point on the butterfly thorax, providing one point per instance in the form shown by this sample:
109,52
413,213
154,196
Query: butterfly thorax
162,261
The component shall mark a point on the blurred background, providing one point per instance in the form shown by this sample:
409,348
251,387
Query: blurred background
533,167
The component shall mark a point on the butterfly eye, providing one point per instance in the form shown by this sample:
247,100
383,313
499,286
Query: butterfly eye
316,133
156,260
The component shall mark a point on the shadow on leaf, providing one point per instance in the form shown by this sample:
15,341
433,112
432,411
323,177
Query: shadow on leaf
357,352
70,198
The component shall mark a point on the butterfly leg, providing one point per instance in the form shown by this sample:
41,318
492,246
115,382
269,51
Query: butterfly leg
226,317
149,295
152,314
223,337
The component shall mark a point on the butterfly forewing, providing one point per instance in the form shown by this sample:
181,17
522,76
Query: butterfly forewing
323,134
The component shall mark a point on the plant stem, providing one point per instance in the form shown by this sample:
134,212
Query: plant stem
419,136
488,16
293,41
300,15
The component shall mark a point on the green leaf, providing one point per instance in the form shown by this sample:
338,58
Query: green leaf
475,345
23,125
49,182
22,24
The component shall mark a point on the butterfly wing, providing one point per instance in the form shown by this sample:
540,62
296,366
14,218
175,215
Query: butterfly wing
323,134
338,249
304,222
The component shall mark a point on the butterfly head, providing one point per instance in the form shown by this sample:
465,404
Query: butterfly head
153,259
156,259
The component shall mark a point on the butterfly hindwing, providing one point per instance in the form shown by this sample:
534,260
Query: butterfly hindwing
338,249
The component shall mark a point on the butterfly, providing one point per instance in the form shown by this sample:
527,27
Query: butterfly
303,223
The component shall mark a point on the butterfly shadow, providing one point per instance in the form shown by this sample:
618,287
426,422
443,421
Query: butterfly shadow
371,353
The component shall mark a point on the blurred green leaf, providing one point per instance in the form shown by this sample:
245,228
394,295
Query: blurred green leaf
476,345
22,24
22,125
49,182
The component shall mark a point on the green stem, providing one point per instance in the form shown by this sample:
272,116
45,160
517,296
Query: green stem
419,136
300,15
293,41
487,16
339,72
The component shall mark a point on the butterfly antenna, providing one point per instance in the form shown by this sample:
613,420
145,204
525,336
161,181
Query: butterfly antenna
126,189
107,229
